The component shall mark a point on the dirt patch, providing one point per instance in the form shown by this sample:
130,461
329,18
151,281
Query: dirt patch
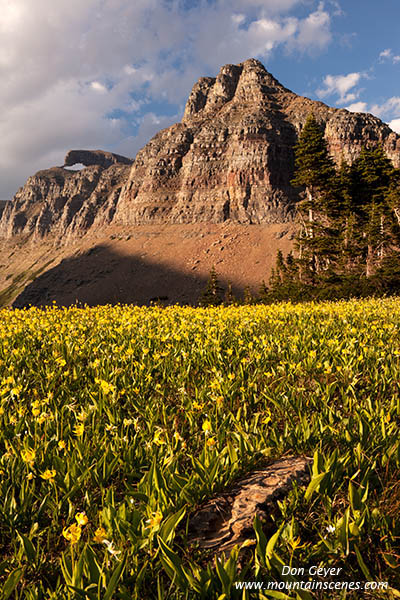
140,263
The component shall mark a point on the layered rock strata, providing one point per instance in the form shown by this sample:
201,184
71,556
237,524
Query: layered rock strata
65,202
230,158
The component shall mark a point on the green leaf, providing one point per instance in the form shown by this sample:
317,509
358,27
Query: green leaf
355,500
28,547
93,565
317,463
261,540
172,564
12,581
167,529
115,577
362,564
139,496
273,594
271,543
313,485
223,576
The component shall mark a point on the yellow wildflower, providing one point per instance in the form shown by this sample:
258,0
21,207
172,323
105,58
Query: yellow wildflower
79,429
159,437
177,437
42,418
72,533
99,535
211,442
61,445
48,474
197,405
106,388
155,519
28,455
206,426
81,519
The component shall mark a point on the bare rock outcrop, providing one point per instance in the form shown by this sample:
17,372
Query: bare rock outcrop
95,157
64,202
230,158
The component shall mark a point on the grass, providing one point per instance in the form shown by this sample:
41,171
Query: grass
8,294
116,422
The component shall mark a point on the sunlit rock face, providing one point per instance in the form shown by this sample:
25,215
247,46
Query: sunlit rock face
232,155
230,158
64,202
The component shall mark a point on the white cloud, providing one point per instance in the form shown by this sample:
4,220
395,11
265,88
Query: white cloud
385,53
260,37
357,107
270,7
341,85
390,108
314,31
395,125
65,66
98,87
339,12
388,55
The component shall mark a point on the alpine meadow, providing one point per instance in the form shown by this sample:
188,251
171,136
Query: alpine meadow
119,426
199,300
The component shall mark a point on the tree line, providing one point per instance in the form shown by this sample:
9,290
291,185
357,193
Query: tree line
348,240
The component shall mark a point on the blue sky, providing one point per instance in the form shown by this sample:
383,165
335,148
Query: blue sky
110,73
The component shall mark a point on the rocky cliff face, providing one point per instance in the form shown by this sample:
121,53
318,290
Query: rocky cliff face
64,202
230,158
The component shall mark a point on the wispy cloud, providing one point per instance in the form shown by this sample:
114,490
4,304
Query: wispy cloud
340,86
357,107
388,55
389,108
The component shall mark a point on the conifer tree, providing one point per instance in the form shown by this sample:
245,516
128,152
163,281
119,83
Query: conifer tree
291,269
314,167
315,172
274,281
248,296
229,297
214,293
373,174
280,267
263,292
392,199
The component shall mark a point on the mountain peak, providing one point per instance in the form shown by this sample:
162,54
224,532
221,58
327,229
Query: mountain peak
248,81
231,158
